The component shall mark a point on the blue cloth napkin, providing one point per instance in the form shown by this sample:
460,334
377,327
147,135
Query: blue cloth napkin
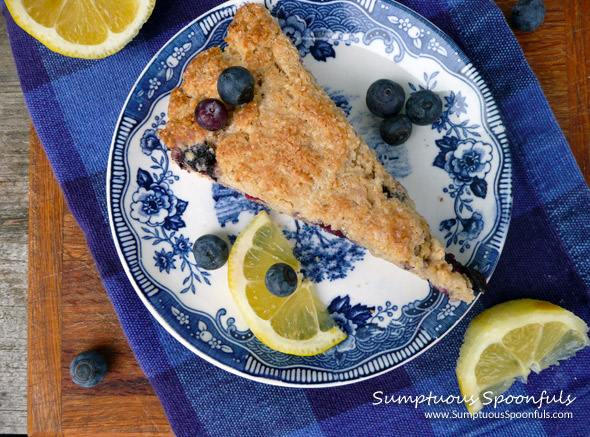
75,104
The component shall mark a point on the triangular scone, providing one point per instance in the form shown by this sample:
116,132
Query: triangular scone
292,149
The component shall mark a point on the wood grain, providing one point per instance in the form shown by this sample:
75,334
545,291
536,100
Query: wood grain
559,54
70,313
14,212
577,32
45,285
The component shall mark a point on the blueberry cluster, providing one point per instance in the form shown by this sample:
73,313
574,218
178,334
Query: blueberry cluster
235,86
385,99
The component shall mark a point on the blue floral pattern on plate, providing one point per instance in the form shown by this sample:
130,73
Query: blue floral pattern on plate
467,160
155,205
157,211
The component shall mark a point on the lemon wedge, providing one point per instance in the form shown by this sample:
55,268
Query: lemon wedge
88,29
509,340
298,324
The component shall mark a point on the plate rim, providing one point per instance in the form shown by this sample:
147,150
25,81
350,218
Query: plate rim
489,105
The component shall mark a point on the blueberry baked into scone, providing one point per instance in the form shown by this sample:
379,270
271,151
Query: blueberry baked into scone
292,149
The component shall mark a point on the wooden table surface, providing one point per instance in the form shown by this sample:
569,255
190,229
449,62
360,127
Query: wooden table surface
69,311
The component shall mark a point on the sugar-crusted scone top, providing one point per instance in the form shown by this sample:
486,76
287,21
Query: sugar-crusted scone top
292,148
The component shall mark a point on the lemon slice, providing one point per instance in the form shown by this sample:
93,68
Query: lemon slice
298,324
88,29
509,340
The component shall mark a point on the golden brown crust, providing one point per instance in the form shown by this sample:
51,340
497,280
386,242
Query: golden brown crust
294,149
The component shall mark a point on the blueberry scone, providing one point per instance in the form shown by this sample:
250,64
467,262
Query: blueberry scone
291,148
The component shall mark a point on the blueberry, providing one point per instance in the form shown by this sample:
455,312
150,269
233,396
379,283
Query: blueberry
88,369
423,107
385,98
528,15
235,86
281,280
396,130
211,114
210,251
204,157
394,193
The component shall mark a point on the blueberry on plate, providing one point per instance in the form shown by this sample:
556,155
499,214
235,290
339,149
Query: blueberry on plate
235,86
88,369
396,130
528,15
281,280
385,98
423,107
211,252
211,114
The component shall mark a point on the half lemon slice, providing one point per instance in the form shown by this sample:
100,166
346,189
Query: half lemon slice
88,29
298,324
509,340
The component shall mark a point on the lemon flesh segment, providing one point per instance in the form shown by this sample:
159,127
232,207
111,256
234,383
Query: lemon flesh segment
569,343
270,240
88,29
263,303
325,320
117,14
296,319
44,12
496,364
80,23
522,342
298,324
509,340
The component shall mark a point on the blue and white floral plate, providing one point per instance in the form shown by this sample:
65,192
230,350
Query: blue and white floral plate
457,171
